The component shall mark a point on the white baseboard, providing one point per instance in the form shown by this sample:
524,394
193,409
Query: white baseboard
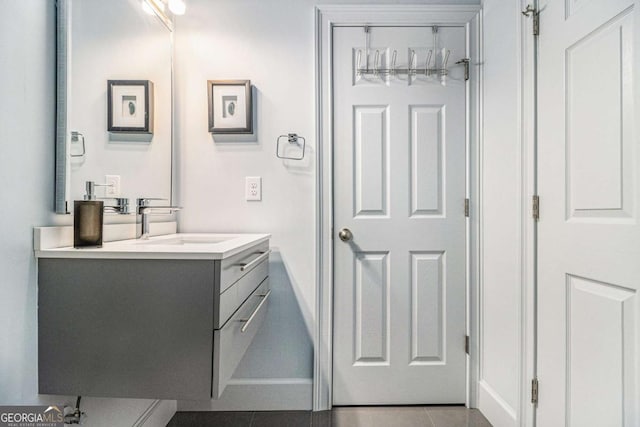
288,394
158,414
494,408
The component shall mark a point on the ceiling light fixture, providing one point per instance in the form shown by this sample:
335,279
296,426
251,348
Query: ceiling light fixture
147,9
153,6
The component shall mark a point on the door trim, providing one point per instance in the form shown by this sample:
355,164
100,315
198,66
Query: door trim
326,18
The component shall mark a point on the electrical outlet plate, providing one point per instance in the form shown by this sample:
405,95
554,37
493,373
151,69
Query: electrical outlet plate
253,188
113,188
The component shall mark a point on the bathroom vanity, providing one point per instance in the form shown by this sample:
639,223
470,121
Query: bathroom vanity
166,318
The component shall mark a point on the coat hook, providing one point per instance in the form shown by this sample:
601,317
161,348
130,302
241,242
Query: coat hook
376,64
358,59
427,68
443,70
393,62
445,60
412,59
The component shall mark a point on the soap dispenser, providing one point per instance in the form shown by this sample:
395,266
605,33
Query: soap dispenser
87,219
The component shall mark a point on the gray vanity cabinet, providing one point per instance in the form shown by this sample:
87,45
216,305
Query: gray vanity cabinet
148,328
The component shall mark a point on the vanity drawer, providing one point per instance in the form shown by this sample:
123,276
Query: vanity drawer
233,268
229,301
231,342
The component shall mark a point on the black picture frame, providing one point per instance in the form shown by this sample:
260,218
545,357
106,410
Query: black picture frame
114,124
216,105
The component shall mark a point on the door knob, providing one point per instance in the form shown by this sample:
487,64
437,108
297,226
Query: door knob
345,235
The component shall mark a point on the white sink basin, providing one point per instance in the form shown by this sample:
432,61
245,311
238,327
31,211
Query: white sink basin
188,240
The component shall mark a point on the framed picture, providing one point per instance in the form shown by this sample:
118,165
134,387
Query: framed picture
130,106
230,106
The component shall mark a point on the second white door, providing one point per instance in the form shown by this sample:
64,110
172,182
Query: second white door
589,229
399,188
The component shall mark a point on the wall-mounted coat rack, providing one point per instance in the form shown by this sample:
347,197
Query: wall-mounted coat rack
429,69
435,64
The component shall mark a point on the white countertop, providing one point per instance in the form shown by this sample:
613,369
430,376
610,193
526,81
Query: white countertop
172,246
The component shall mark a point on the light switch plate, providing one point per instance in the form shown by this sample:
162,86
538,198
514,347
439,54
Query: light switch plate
113,188
253,188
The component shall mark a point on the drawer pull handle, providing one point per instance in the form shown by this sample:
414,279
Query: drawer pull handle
248,321
247,266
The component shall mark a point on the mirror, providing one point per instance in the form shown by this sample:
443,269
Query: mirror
114,107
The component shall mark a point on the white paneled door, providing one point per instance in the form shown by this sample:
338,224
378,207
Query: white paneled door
399,190
589,229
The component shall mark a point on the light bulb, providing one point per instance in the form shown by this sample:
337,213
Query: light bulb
177,7
147,9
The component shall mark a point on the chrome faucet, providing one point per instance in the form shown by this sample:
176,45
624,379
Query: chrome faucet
143,211
121,205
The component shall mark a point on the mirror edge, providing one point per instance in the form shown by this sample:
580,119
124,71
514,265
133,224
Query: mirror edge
63,32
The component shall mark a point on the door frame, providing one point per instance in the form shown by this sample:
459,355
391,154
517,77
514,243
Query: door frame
326,18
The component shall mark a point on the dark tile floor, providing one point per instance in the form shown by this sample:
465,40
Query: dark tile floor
379,416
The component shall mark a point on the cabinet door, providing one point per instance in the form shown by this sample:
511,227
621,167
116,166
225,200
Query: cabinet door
126,328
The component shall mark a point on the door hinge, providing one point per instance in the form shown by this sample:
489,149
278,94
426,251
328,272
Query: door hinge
536,207
466,344
465,62
535,13
467,207
534,391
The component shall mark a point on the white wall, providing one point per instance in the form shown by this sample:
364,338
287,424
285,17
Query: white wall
272,44
503,209
27,136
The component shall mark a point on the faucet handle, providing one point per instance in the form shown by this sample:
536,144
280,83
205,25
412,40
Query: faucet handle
143,201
